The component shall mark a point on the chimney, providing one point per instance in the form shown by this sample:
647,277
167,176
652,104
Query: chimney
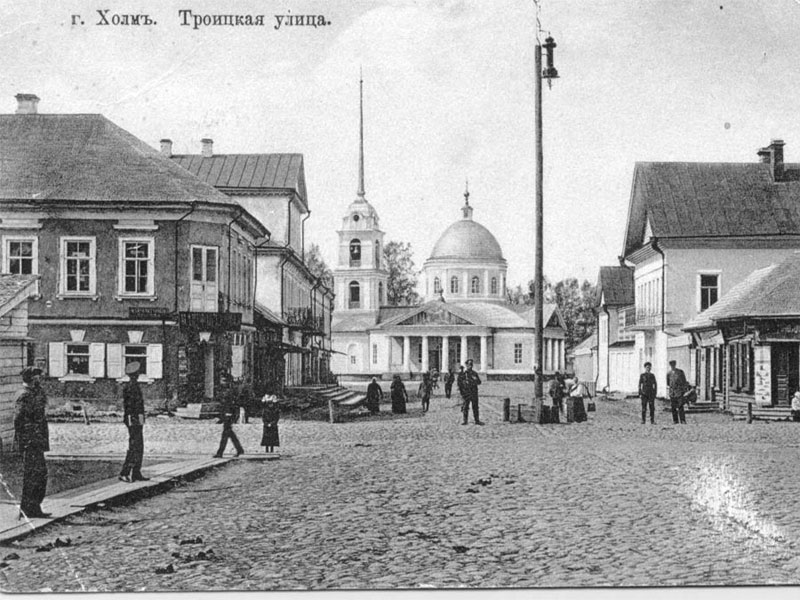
208,147
764,155
776,159
166,147
27,104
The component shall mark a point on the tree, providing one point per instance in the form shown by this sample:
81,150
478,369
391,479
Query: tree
318,267
402,283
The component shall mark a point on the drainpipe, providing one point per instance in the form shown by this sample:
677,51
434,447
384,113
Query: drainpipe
608,353
191,210
663,281
228,293
303,235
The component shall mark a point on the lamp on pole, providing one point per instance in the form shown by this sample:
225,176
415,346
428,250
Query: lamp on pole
549,73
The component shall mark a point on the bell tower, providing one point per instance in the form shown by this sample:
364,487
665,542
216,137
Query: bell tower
360,276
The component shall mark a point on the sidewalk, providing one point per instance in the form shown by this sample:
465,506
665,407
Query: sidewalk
73,501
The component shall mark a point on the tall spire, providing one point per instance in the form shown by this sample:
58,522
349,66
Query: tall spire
466,209
361,192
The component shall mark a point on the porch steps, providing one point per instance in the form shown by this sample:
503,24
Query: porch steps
738,408
702,407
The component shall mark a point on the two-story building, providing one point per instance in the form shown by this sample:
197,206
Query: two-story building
695,230
617,362
272,187
138,260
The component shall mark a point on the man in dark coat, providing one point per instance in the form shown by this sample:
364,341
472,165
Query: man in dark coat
647,392
678,386
468,382
229,412
133,406
374,395
32,439
448,382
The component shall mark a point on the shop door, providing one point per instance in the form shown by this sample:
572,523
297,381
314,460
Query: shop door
785,372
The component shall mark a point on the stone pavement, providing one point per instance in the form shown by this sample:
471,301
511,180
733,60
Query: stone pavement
420,501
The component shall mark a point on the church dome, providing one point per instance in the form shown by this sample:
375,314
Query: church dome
467,239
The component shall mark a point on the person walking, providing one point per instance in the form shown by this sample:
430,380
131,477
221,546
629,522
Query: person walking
270,414
578,393
32,439
448,382
133,416
424,391
648,388
678,387
399,396
555,390
374,395
229,410
468,382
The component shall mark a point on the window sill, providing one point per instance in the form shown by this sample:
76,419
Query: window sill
93,297
77,377
125,379
121,297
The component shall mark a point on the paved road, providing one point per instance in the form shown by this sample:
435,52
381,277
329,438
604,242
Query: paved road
422,501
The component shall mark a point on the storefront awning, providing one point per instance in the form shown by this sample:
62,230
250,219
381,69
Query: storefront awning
707,339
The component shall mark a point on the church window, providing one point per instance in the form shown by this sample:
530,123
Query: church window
494,285
355,295
377,254
380,293
517,353
374,354
454,285
355,253
475,286
437,285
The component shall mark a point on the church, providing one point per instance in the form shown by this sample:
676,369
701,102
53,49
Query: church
464,314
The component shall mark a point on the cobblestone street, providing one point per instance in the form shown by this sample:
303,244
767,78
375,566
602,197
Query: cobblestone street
421,501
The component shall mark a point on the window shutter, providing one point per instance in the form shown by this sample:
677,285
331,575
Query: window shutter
114,359
97,360
58,359
237,358
154,361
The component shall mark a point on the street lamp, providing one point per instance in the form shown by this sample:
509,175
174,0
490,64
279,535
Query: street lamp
549,73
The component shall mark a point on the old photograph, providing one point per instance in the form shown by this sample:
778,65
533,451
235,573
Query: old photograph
400,296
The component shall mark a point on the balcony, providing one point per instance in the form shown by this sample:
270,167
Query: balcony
638,319
303,318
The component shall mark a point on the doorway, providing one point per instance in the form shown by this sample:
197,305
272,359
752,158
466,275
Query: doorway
785,367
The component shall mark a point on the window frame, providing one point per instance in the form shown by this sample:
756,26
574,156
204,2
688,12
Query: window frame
140,358
475,285
454,284
121,263
67,355
354,252
8,240
701,288
493,288
517,353
353,285
63,259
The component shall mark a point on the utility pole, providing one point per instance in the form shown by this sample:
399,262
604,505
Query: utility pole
548,73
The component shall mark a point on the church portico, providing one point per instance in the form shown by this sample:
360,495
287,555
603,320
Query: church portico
418,352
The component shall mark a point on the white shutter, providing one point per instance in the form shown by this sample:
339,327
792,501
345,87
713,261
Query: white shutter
58,359
237,359
114,360
97,360
154,361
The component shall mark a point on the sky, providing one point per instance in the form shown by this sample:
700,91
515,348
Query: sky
449,92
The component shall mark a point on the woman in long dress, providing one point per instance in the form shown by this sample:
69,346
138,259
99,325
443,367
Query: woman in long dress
270,414
374,395
399,396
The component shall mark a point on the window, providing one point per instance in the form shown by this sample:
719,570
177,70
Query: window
454,285
494,285
136,267
204,296
518,353
475,285
374,354
437,285
20,256
377,254
709,290
77,359
355,294
380,292
352,359
138,354
355,253
78,266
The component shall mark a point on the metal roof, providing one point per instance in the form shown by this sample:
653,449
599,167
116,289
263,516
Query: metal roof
615,286
13,290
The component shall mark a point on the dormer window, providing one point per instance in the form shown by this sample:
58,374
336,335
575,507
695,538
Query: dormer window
356,218
355,253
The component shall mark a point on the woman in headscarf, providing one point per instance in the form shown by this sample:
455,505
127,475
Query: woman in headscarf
374,395
270,414
399,396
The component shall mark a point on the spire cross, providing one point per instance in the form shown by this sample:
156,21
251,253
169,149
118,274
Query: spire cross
361,192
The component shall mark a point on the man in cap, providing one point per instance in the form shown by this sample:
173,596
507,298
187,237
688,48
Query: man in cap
678,386
133,404
229,411
648,388
32,440
468,382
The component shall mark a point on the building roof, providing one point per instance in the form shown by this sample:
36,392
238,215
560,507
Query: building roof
268,314
766,293
586,346
467,239
352,322
688,200
87,157
248,171
13,290
615,286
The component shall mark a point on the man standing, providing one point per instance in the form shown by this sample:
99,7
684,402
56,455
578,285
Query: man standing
677,384
468,382
133,405
229,411
448,382
32,439
647,392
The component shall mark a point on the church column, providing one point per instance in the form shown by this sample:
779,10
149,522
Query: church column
424,353
445,354
463,349
484,355
390,339
406,353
